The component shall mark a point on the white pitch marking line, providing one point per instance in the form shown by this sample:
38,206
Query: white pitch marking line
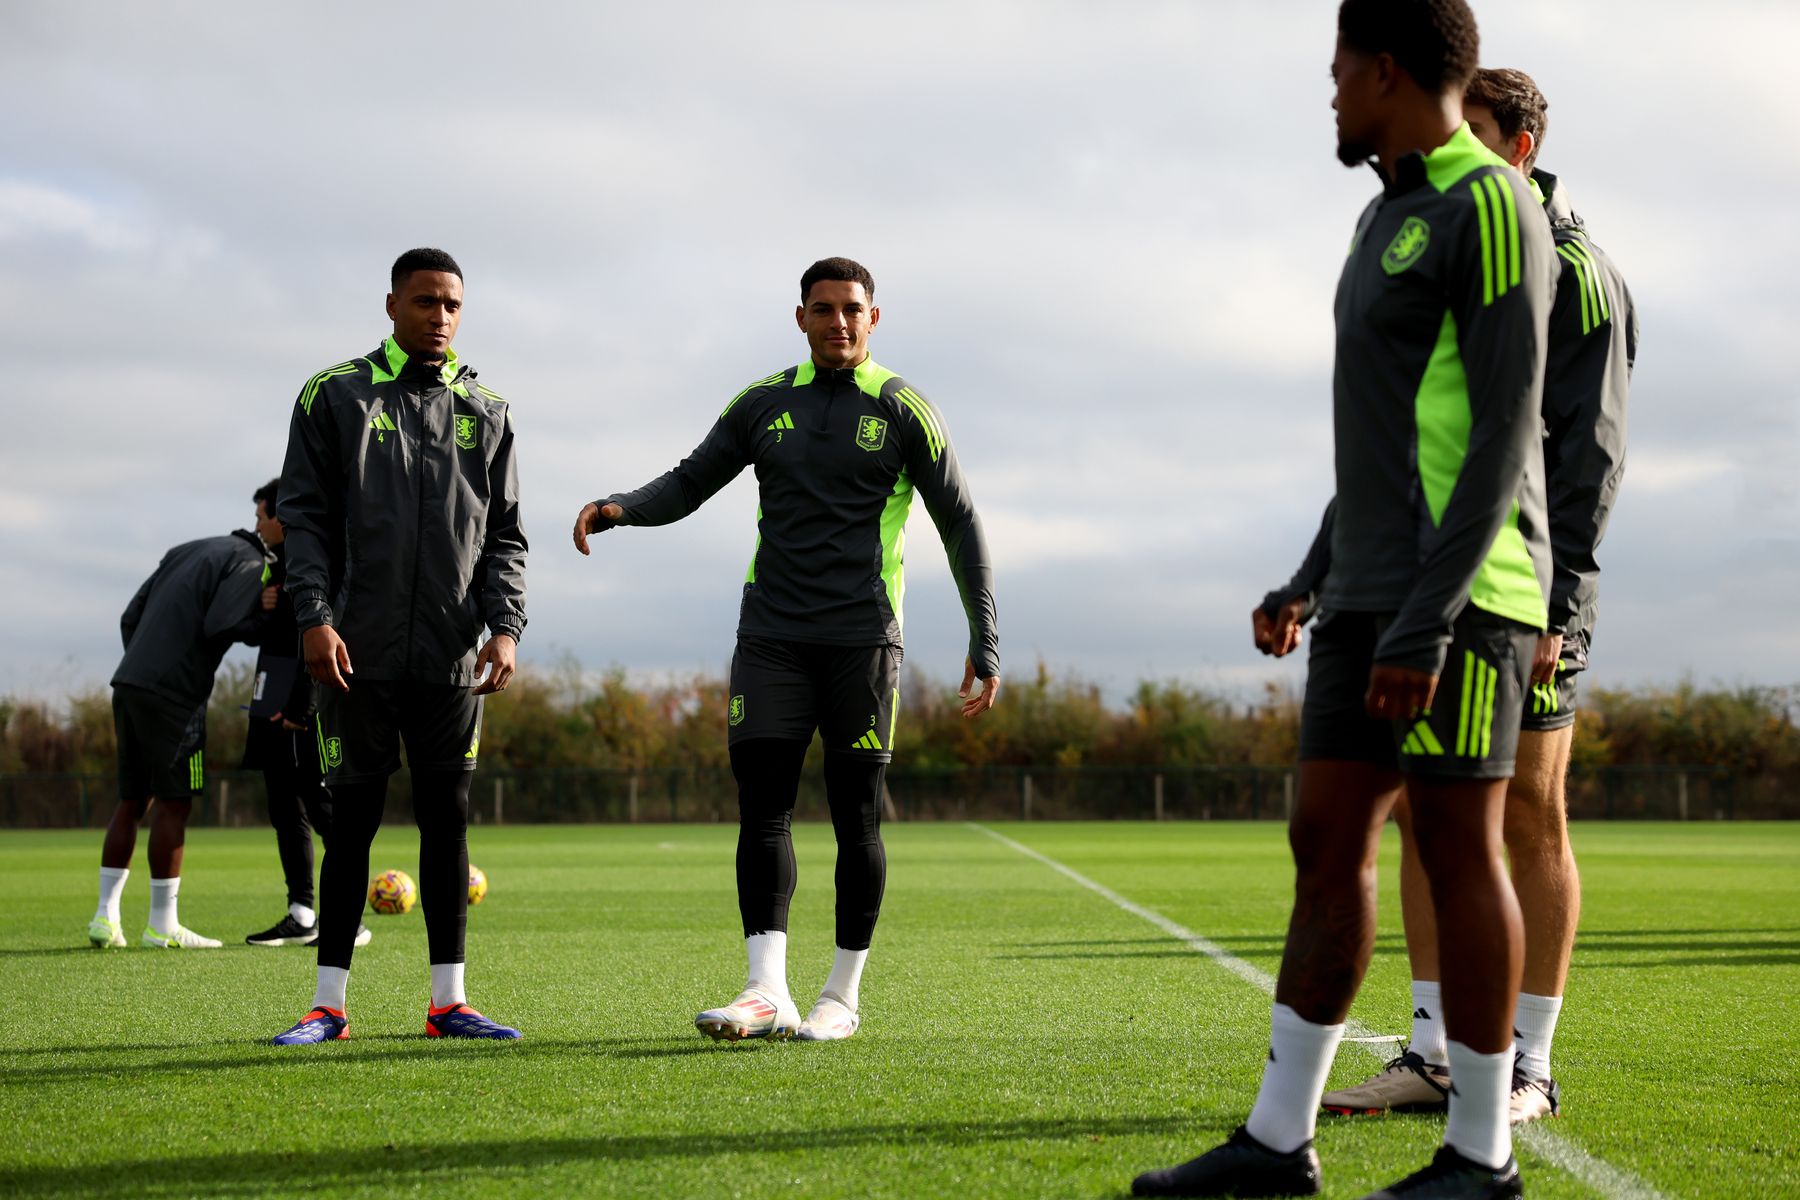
1615,1183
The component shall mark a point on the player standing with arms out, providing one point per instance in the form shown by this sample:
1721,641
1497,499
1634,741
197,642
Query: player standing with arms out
278,741
1593,343
203,596
839,445
400,497
1440,564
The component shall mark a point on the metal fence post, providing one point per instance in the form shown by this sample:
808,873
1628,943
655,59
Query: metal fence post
1159,796
499,798
631,800
1025,797
1287,795
224,799
1681,797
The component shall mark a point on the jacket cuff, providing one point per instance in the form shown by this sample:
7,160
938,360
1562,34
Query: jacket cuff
311,609
512,629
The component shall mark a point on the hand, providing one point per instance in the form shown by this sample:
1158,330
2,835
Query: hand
286,724
1399,693
498,659
594,518
327,658
269,595
1278,635
978,703
1544,660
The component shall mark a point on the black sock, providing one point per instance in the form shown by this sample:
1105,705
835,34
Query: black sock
344,875
441,808
768,778
853,790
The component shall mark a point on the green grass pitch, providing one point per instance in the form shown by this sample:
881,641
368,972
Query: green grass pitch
1023,1036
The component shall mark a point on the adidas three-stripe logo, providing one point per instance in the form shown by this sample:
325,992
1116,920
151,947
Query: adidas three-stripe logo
1475,722
784,421
1497,216
383,425
868,741
1594,307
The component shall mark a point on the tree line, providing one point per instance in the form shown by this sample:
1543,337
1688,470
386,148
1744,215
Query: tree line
562,716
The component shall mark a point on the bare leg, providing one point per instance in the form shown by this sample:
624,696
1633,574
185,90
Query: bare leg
1481,939
121,833
1334,833
168,836
1415,900
1543,866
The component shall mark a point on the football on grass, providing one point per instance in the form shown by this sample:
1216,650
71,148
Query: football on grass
393,892
477,884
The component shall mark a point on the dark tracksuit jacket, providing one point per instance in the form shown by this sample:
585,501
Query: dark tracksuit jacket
202,597
1593,344
838,456
400,498
266,744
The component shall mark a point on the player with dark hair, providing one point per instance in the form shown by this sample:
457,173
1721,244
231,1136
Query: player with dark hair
278,741
1593,343
1439,567
400,499
839,445
202,597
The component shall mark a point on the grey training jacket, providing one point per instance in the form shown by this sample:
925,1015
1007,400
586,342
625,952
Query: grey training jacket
1587,380
400,498
838,456
201,598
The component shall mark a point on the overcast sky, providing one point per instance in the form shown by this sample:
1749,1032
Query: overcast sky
1105,237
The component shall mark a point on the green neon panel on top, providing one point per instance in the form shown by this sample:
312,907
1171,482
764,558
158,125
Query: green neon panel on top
893,544
1507,583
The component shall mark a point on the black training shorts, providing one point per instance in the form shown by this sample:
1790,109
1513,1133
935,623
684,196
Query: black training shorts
1472,729
162,745
850,694
1551,706
358,732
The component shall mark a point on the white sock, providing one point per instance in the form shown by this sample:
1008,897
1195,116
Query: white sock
303,914
1428,1021
163,917
1287,1106
447,985
846,975
768,963
1480,1127
1534,1025
112,886
333,983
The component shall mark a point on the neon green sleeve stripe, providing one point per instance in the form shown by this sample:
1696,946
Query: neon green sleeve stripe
759,383
1487,253
1512,230
934,434
1581,286
1601,308
311,390
1497,215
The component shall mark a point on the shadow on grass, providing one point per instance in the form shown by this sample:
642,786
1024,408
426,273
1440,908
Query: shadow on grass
1732,958
283,1172
47,951
360,1050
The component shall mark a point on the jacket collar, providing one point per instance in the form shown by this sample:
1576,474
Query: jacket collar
1557,207
255,539
866,376
1444,166
390,360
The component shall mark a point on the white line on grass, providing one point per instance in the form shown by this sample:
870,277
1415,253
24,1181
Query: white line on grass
1615,1183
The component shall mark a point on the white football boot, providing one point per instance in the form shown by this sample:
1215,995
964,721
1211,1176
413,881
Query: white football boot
178,938
105,934
831,1020
754,1014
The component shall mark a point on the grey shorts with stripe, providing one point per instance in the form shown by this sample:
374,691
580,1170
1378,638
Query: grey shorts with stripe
1472,729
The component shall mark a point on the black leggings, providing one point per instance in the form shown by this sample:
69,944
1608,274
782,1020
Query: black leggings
298,805
768,779
441,809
